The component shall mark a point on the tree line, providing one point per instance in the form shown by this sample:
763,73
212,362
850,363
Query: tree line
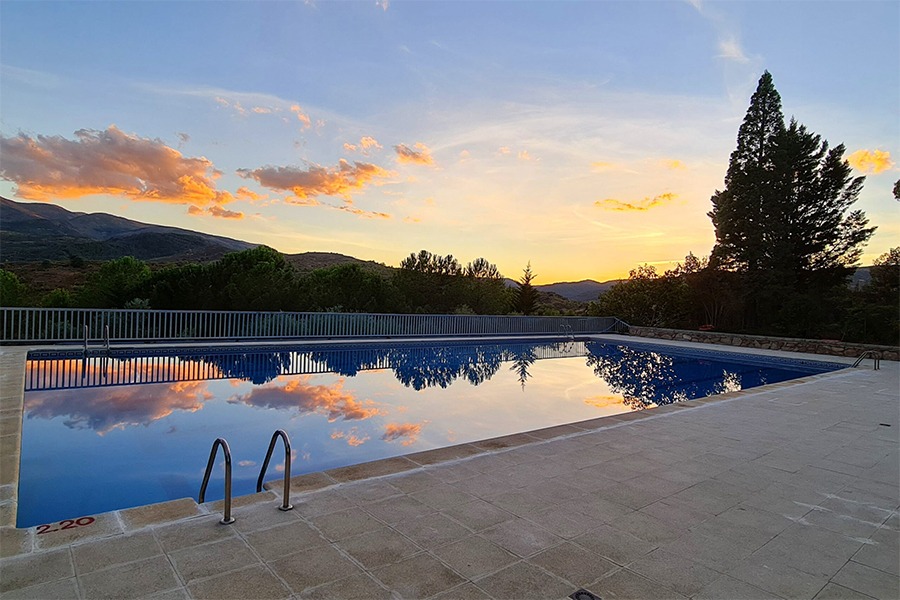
262,279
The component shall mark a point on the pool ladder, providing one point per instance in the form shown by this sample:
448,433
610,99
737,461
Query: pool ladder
227,519
876,359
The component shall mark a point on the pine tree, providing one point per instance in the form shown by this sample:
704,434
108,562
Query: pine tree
526,296
739,211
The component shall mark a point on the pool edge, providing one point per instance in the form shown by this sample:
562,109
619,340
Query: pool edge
16,542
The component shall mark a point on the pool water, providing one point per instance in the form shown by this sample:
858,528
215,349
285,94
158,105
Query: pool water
135,428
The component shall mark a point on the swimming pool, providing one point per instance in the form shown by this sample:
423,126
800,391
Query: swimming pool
135,427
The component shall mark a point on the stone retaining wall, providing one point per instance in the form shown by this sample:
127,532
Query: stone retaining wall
831,347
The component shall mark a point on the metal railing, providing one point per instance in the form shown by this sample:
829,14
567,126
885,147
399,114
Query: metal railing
227,519
286,495
875,356
62,325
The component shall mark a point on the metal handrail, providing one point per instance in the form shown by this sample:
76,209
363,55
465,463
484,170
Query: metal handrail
285,504
868,354
227,518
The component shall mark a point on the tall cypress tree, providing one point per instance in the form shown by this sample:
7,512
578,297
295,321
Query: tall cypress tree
786,197
783,218
739,211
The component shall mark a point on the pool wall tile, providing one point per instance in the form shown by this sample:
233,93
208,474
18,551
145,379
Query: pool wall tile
430,457
14,542
218,506
104,525
376,468
162,512
302,483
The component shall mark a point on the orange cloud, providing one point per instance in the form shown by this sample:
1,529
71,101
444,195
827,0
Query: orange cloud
301,116
645,204
366,214
523,155
603,401
399,431
349,147
871,161
235,106
367,142
215,211
104,409
262,110
245,193
318,181
352,437
674,164
107,162
299,394
504,150
419,154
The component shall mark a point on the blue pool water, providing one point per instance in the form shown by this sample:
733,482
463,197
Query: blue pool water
136,427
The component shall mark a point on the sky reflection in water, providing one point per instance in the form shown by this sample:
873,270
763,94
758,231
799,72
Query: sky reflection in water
102,447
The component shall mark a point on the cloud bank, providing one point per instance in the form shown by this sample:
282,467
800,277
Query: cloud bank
107,162
871,161
641,205
317,180
419,154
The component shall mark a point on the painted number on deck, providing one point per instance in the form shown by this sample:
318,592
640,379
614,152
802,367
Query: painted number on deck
65,524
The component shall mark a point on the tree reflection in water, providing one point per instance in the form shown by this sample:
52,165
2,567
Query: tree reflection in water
646,378
258,368
417,367
521,362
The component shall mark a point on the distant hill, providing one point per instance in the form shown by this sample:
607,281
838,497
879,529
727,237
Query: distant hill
309,261
585,290
33,232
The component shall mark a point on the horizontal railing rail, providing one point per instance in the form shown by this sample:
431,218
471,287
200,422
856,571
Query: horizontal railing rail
68,325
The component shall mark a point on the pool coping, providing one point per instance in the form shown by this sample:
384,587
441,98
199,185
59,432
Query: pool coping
15,541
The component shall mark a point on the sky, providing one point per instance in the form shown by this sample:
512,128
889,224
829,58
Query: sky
583,137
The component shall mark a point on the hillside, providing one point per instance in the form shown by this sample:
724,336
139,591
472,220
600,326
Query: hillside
34,232
308,261
585,290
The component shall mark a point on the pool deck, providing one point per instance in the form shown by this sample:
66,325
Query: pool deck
790,490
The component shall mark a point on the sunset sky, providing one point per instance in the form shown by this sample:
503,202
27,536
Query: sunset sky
585,137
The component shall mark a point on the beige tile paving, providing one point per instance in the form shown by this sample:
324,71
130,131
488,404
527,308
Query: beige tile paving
788,491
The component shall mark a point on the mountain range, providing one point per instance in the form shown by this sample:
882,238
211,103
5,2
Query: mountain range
37,232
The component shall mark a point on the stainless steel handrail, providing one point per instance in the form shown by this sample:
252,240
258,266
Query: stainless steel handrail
227,518
286,496
868,354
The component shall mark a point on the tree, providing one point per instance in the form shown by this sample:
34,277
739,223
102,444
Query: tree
786,199
738,212
115,283
12,291
486,292
526,301
783,221
646,299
